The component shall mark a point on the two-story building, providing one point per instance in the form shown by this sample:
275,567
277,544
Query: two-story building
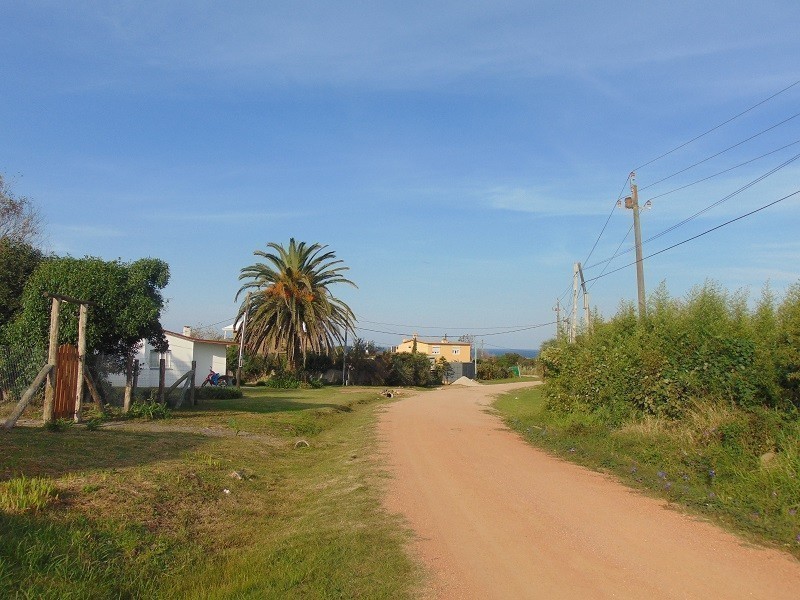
458,354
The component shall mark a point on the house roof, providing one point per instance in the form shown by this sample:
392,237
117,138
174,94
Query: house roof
437,342
194,339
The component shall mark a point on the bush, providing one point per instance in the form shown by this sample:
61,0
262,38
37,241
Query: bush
492,369
148,410
283,381
217,393
707,348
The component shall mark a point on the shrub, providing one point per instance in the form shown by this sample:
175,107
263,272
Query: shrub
148,410
707,348
217,393
283,381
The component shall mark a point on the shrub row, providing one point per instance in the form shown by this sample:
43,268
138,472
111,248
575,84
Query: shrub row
709,347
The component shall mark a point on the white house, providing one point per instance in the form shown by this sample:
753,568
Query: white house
183,349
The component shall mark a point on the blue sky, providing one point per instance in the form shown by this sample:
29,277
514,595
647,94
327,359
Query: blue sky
458,156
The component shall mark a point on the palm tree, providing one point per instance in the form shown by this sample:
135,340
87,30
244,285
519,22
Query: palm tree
290,309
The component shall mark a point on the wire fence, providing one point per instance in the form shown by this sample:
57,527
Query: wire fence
19,366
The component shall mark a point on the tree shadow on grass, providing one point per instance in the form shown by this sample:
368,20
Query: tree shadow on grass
257,406
37,452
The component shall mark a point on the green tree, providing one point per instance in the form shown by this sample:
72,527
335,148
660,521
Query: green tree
127,304
291,309
18,260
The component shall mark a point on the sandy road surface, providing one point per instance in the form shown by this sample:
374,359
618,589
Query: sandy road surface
496,518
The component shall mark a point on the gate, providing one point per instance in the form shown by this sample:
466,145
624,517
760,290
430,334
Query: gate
66,382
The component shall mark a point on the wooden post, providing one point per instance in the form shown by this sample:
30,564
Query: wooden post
162,373
93,391
26,397
81,362
126,402
52,359
192,400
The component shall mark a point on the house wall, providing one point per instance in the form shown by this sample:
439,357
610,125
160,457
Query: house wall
182,350
452,351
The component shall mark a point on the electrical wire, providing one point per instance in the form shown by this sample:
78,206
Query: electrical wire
706,232
747,162
733,118
700,212
613,208
708,158
725,199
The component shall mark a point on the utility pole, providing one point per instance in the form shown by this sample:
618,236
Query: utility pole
344,359
632,202
241,340
586,314
573,330
558,318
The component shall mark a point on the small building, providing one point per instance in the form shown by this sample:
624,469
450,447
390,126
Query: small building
451,351
183,349
458,354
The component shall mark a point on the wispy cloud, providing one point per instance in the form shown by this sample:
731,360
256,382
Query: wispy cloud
87,231
541,202
227,217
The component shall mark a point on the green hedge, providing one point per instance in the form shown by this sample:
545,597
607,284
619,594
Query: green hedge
709,347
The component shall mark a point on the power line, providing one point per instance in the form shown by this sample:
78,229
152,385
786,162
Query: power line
435,326
725,199
517,330
698,213
700,162
707,231
613,208
733,118
747,162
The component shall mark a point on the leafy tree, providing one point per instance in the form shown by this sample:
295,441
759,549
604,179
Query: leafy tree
443,369
291,309
409,368
127,297
18,260
19,219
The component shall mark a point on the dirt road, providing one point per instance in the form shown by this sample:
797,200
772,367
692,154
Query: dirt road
496,518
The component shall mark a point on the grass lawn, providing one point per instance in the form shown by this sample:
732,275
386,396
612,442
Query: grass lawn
699,463
214,502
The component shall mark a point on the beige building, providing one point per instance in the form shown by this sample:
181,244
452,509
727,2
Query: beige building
453,352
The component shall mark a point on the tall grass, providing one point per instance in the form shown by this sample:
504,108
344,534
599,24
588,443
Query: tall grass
22,494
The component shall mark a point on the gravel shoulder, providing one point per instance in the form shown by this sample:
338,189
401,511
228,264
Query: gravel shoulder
497,518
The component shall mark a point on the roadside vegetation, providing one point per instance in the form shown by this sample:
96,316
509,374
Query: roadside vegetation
276,495
698,402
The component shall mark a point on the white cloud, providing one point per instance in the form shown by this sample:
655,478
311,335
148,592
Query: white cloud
541,202
88,231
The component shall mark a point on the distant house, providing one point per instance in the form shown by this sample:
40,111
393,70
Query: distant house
451,351
455,353
183,349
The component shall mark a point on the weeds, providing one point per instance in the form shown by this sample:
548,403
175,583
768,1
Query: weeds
148,410
22,494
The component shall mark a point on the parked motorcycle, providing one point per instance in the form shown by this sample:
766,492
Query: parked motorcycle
214,379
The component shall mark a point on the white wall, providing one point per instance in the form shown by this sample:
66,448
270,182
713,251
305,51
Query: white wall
181,353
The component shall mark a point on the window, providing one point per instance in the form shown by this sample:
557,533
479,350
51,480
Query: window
155,359
456,350
436,350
